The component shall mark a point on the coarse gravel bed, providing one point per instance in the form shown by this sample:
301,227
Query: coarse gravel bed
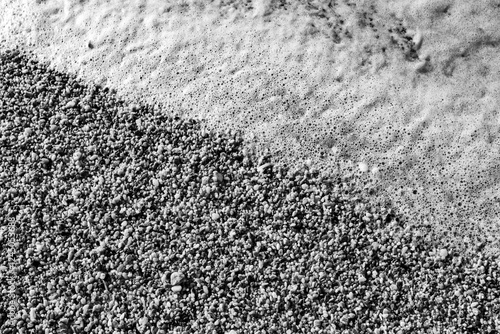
129,220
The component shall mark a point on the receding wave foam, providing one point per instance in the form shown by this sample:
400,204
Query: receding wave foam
407,90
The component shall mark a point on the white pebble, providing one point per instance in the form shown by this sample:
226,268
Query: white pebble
204,180
443,253
39,247
77,155
177,288
176,278
70,104
155,183
218,177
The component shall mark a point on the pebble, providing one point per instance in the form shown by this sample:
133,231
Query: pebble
218,177
176,288
39,247
33,314
77,155
176,278
443,253
70,104
156,183
143,321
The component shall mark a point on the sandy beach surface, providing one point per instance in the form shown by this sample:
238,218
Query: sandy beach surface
245,167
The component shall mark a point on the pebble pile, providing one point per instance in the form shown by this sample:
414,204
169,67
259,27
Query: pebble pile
130,221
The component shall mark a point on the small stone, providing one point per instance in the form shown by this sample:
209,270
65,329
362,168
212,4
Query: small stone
155,182
215,216
218,177
70,104
263,167
205,180
143,321
40,247
176,278
176,288
77,155
443,253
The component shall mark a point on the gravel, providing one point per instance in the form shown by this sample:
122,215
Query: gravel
131,220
